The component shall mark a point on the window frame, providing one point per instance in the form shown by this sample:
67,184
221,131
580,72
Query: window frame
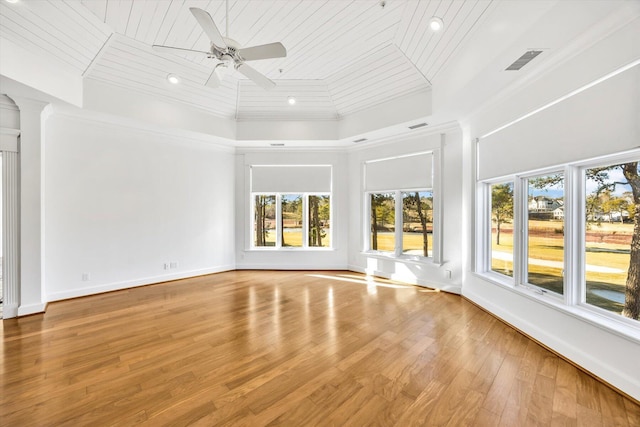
574,299
278,219
399,227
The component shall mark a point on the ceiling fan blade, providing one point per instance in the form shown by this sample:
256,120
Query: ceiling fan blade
214,79
265,51
256,77
206,22
179,50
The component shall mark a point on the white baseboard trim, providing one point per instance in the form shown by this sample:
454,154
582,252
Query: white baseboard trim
108,287
9,311
433,284
25,310
621,380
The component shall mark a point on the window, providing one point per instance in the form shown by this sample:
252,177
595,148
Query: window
417,222
573,233
319,221
401,203
264,223
611,238
401,222
292,220
502,228
383,222
291,205
545,232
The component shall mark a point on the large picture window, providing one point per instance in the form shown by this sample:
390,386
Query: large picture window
577,235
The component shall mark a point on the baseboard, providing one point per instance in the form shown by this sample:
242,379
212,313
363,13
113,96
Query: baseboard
9,311
433,284
116,286
25,310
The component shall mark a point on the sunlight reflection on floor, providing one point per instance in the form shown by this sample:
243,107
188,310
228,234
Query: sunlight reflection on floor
372,281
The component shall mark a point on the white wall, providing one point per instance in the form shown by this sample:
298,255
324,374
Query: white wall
336,258
121,201
609,355
424,273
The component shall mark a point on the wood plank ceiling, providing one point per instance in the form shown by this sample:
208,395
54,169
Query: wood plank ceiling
343,56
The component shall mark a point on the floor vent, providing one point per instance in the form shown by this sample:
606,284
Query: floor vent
523,60
419,125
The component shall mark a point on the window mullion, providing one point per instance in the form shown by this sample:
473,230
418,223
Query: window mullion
398,223
572,219
305,220
278,221
520,256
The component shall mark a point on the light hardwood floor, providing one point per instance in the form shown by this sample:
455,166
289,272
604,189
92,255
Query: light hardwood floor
288,348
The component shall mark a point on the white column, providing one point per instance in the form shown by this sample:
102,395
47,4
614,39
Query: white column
31,159
11,240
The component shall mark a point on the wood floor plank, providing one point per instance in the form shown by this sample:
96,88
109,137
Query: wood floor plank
288,348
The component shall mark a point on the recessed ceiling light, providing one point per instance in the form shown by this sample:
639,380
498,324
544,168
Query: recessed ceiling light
12,1
173,79
291,100
436,24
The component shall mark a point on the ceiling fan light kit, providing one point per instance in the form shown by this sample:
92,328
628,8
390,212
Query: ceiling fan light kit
229,53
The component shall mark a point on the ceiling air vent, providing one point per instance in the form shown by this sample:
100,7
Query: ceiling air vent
523,60
277,145
360,140
419,125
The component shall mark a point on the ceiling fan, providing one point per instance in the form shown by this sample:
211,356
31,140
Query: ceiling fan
229,53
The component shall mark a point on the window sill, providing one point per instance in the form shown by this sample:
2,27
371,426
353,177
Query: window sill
289,249
581,312
407,259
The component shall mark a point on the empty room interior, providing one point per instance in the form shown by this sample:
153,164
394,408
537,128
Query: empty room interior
320,212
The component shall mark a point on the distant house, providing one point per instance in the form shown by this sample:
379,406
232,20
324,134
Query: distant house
558,213
542,207
543,204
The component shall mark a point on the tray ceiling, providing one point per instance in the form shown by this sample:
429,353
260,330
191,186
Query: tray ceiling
344,56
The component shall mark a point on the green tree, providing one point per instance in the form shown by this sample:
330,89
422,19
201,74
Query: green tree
631,174
501,206
381,210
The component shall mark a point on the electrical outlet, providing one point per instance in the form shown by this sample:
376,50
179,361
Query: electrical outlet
166,266
447,274
86,277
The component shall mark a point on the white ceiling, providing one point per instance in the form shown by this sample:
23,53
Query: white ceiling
352,63
343,55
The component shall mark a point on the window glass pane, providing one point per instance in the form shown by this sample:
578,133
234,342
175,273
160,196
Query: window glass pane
291,220
383,218
502,228
264,226
319,221
545,238
612,238
417,222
